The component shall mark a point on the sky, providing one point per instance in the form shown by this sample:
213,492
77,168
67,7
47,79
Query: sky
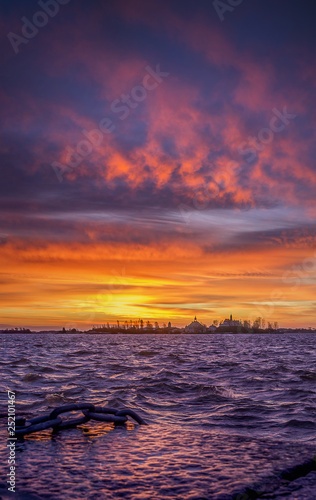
157,162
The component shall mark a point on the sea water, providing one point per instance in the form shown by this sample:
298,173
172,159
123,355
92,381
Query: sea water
226,412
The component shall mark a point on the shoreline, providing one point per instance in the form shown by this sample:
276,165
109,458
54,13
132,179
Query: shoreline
58,332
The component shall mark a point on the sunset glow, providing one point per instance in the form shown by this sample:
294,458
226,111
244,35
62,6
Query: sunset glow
195,193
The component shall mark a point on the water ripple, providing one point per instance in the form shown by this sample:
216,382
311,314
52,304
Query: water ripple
226,407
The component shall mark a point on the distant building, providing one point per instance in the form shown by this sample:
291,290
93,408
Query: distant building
231,322
169,325
212,329
195,327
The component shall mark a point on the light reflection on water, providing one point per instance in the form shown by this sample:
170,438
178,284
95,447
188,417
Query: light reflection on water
224,411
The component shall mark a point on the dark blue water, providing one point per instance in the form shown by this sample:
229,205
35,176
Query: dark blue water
225,412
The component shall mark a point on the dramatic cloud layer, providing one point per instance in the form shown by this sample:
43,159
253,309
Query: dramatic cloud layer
157,162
